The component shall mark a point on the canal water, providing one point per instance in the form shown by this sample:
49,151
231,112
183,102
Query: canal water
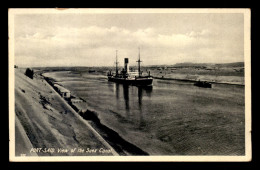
168,118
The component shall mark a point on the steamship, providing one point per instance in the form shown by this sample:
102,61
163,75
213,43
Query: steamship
130,78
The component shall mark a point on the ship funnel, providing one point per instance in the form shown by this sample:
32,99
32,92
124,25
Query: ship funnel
126,65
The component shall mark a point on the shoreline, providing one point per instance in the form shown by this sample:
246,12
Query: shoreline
165,78
100,138
193,81
120,145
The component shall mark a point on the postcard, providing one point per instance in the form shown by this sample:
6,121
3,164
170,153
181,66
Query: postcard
130,85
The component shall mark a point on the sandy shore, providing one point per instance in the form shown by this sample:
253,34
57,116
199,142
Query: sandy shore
46,125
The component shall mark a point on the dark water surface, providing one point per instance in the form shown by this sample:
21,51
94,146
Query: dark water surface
169,118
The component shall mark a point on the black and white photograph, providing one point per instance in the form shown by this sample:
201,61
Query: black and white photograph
132,84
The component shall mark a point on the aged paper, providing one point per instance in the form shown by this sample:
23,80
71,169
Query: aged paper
129,85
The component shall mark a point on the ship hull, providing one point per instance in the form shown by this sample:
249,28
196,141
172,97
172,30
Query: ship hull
203,84
134,82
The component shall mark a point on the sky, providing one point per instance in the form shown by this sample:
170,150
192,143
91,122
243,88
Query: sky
92,39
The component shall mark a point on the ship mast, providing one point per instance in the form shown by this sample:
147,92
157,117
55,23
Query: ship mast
116,64
139,62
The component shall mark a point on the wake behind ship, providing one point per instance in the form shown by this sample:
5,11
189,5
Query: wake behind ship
130,78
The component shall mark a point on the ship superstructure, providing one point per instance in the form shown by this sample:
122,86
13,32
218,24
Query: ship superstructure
130,78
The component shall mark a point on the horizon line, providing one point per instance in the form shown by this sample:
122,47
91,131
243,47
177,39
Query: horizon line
134,65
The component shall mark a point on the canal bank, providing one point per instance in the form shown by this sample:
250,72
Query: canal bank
108,137
50,123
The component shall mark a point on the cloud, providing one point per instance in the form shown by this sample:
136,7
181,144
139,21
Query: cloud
96,45
201,33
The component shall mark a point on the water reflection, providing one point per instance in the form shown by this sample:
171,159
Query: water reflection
140,96
148,91
134,111
141,117
126,96
117,91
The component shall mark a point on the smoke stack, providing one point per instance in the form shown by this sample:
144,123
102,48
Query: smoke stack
126,65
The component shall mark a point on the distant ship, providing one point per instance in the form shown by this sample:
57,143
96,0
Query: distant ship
203,84
130,78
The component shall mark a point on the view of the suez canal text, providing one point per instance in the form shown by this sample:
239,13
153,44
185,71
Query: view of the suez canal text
129,84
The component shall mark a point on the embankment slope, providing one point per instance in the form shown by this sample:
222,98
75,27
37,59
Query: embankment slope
47,121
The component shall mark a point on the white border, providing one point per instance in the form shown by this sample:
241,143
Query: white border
247,61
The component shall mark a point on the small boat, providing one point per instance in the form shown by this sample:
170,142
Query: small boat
127,78
204,84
